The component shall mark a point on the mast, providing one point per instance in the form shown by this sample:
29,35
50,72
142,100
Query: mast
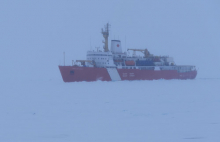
105,34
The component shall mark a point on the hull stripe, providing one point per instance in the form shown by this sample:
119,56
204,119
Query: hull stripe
113,73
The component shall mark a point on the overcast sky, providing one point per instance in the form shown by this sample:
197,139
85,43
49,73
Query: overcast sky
34,34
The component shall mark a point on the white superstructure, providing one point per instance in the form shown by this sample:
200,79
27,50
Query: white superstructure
116,58
101,59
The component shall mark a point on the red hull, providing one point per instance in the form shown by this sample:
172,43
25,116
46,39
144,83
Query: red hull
135,74
76,73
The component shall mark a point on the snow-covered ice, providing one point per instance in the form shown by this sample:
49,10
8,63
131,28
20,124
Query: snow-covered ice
162,110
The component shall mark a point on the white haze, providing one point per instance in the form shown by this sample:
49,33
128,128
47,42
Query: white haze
34,34
36,105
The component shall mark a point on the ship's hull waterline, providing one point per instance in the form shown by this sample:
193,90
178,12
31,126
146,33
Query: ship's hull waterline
78,74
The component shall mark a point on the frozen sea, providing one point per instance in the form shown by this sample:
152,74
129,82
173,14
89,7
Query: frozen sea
129,111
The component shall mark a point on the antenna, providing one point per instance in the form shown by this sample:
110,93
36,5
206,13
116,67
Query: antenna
90,43
125,43
105,34
64,57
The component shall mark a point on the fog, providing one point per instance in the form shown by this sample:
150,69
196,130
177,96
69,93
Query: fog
36,105
34,34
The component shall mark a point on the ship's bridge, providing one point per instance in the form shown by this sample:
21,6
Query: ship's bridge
101,59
